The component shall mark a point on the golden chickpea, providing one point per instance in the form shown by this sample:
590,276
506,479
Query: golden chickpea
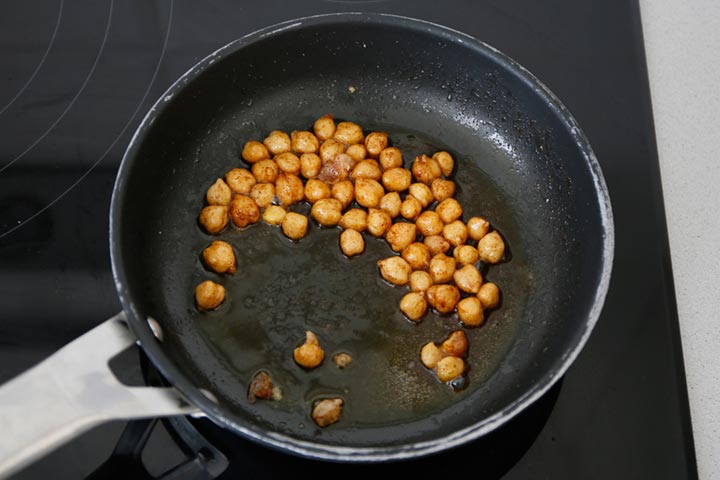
429,223
366,169
368,192
244,211
400,235
391,203
466,255
426,169
310,165
240,180
304,142
343,191
375,143
442,268
336,170
456,344
417,255
449,368
288,162
327,212
410,208
357,152
263,194
274,215
324,127
214,218
349,133
265,171
342,360
254,151
289,188
422,192
455,233
430,355
352,243
219,193
396,179
316,190
378,222
491,247
489,295
391,157
436,244
277,142
468,279
310,354
219,256
446,162
449,210
394,270
327,411
331,149
470,312
209,295
355,219
477,228
294,225
442,189
443,298
420,281
413,305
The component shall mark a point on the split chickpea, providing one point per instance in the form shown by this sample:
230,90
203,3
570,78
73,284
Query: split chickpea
446,162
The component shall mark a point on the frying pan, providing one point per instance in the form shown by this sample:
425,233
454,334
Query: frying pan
522,162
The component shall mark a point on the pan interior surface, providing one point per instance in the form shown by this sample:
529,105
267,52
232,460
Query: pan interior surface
518,163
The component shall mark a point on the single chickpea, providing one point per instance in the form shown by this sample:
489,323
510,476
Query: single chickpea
357,152
327,212
355,219
310,165
304,142
391,157
449,210
254,151
219,193
442,189
466,255
219,256
294,225
426,169
336,170
352,243
375,143
214,218
400,235
455,233
366,169
342,359
348,132
468,279
274,215
277,142
209,295
430,355
422,192
489,295
289,188
368,192
436,244
240,180
324,127
331,149
446,162
288,162
449,368
456,344
414,306
410,208
396,179
327,411
263,194
243,211
442,268
378,222
417,255
316,190
310,354
429,223
391,203
265,171
491,247
343,191
477,228
470,312
420,281
394,270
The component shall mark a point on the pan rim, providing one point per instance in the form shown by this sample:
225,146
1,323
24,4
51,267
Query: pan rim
323,451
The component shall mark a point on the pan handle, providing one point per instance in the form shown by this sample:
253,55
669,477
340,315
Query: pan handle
72,391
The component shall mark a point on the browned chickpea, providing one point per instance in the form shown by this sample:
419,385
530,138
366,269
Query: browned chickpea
477,228
336,170
366,169
420,281
331,149
214,218
288,162
244,211
348,132
357,152
343,191
396,179
219,193
429,223
209,295
368,192
324,127
466,255
355,219
430,355
449,210
219,256
470,312
442,189
240,180
422,192
449,368
446,162
426,169
327,411
277,142
442,268
391,157
274,215
327,212
316,190
391,203
489,295
378,222
375,143
468,279
309,354
310,165
417,255
491,247
294,225
304,142
456,344
414,306
254,151
443,298
400,235
394,270
455,233
263,194
436,244
265,171
410,208
289,188
352,243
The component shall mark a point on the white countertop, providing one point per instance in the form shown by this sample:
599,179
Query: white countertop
682,42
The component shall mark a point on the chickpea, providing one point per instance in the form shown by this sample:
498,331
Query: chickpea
400,235
263,194
391,203
470,312
449,210
316,190
240,180
288,162
342,360
254,151
422,192
378,222
336,170
357,152
209,295
491,247
455,233
413,305
274,215
343,191
327,212
294,225
244,211
368,192
446,162
410,208
375,143
426,169
420,281
331,149
429,224
366,169
456,344
214,218
324,127
277,142
396,179
477,228
310,165
326,412
391,157
442,189
417,255
355,219
442,268
289,188
468,279
466,255
436,244
352,243
449,368
395,270
304,142
489,295
265,171
430,355
219,256
219,193
348,132
310,354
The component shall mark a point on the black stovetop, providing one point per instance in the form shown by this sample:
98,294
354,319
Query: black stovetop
78,76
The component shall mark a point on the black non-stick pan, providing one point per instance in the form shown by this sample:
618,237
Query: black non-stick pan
521,161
